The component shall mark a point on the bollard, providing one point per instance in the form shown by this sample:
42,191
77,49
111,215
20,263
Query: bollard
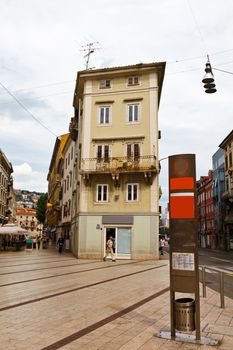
222,301
203,282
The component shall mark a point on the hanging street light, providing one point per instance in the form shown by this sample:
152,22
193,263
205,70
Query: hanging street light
208,79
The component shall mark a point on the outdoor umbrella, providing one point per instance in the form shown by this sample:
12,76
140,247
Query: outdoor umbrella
12,229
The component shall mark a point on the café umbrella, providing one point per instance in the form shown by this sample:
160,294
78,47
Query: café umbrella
12,229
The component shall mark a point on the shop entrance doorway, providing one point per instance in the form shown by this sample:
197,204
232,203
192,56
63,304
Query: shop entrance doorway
121,241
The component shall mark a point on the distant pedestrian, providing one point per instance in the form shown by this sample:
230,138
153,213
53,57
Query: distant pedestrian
60,244
38,239
109,249
161,245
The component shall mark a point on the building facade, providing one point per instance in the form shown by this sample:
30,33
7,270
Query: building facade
205,211
7,199
67,188
227,146
218,190
117,187
53,212
26,218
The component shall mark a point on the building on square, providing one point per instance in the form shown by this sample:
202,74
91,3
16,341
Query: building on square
227,146
218,190
117,188
205,211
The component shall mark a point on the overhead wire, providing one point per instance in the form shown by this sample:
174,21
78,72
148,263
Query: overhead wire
197,26
221,70
26,109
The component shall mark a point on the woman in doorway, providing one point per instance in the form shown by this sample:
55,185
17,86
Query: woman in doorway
109,249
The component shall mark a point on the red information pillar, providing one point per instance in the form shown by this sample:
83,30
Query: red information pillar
184,273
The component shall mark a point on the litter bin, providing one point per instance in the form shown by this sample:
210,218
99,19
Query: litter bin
185,314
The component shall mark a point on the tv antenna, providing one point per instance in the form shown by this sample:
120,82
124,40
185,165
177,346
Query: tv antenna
90,48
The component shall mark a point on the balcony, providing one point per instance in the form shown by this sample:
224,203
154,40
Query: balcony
119,165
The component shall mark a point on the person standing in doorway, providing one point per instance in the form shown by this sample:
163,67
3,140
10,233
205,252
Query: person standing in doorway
109,249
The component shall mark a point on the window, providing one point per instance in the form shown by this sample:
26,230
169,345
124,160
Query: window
102,193
64,188
230,159
104,115
67,182
133,113
103,153
226,163
68,159
72,151
132,192
105,84
66,163
133,80
70,178
133,152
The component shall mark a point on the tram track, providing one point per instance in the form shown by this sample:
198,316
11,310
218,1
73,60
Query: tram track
35,263
67,273
82,332
78,288
45,268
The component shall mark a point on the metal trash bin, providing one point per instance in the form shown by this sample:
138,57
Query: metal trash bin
185,314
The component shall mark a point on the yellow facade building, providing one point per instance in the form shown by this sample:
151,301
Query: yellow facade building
116,112
53,212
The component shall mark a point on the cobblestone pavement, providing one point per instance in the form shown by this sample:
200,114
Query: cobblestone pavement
50,301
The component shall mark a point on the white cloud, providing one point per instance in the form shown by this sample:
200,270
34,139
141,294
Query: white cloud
23,169
27,179
41,43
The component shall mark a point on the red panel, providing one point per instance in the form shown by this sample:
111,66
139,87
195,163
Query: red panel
182,207
182,183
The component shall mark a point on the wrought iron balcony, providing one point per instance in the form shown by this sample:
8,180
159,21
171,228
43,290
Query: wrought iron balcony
119,165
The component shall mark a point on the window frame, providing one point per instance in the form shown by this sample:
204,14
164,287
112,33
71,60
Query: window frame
132,200
103,158
133,77
104,117
103,84
132,156
102,193
133,105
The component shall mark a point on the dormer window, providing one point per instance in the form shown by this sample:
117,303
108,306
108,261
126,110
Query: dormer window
105,84
133,80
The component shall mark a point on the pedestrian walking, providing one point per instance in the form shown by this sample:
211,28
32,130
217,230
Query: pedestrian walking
38,240
109,249
161,245
60,244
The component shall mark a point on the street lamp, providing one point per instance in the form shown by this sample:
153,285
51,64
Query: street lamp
208,79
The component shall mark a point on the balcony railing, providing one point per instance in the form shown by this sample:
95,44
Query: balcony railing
119,164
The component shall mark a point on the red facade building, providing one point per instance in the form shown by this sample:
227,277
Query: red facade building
205,211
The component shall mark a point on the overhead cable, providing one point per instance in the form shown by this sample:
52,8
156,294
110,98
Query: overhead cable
27,110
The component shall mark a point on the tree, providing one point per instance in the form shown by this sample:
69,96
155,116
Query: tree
41,208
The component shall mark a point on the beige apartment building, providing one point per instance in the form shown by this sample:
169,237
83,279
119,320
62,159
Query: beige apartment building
7,197
116,112
26,218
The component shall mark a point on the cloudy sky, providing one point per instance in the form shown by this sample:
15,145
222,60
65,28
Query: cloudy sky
40,53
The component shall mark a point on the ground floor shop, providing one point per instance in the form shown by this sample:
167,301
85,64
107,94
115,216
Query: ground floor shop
134,236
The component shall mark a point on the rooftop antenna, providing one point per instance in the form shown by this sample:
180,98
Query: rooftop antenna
90,48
